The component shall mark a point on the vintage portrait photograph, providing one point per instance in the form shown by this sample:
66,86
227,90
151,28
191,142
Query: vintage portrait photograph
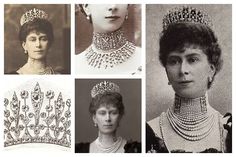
108,39
189,78
37,39
108,116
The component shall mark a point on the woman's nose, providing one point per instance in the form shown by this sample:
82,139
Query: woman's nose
184,68
108,117
38,43
112,7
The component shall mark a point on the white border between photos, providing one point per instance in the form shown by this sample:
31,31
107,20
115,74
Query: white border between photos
70,78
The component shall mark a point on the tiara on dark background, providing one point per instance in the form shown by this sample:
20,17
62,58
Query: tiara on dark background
186,14
32,14
37,118
105,86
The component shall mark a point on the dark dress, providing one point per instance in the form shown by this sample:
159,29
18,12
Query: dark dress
130,147
155,144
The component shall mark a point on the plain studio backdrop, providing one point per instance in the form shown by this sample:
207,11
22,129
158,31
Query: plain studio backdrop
130,125
160,95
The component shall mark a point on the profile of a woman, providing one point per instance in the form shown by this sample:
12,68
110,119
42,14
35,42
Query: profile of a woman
191,55
110,52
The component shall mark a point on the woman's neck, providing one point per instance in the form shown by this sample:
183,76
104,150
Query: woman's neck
109,41
107,139
190,106
34,66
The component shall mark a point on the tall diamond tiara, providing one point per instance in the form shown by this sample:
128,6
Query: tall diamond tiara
104,86
32,14
37,118
186,14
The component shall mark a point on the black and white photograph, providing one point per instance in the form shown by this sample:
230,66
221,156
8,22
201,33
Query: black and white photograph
189,71
108,39
108,116
37,39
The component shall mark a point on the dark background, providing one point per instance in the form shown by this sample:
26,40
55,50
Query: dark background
130,125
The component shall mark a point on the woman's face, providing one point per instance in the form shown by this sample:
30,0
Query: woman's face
106,17
188,72
107,119
36,45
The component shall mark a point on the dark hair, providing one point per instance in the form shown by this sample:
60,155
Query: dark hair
107,98
181,35
83,12
38,25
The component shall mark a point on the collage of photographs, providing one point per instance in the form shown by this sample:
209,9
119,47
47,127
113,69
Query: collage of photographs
139,78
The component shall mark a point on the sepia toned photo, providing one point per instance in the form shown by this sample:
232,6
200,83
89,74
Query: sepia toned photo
108,39
107,116
37,39
189,78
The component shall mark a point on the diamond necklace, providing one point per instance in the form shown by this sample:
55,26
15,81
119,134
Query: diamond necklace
109,41
110,59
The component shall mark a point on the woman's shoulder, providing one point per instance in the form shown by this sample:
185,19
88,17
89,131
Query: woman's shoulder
132,147
82,147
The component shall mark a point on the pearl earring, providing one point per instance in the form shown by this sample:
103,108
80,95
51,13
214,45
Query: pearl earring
126,17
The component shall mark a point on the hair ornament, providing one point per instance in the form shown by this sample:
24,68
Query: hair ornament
105,86
186,14
32,14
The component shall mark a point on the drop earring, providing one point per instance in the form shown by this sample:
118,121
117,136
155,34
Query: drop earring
88,17
95,124
209,79
26,52
126,17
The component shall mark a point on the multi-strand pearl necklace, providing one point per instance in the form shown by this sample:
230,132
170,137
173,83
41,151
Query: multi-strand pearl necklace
190,119
109,50
109,149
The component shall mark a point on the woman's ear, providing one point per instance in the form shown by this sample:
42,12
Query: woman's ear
24,47
94,118
212,70
86,9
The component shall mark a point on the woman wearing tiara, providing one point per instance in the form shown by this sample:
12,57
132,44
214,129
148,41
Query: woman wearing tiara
110,52
190,53
106,110
36,37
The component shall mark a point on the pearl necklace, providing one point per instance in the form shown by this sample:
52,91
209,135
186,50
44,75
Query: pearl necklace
191,125
109,149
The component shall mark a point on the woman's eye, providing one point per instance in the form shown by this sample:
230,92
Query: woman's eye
193,60
32,39
114,112
173,61
44,39
102,113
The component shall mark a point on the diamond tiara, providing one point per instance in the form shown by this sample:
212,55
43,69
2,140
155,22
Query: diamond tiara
105,86
186,14
37,119
32,14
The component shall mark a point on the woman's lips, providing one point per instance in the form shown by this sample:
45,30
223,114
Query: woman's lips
186,82
112,17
